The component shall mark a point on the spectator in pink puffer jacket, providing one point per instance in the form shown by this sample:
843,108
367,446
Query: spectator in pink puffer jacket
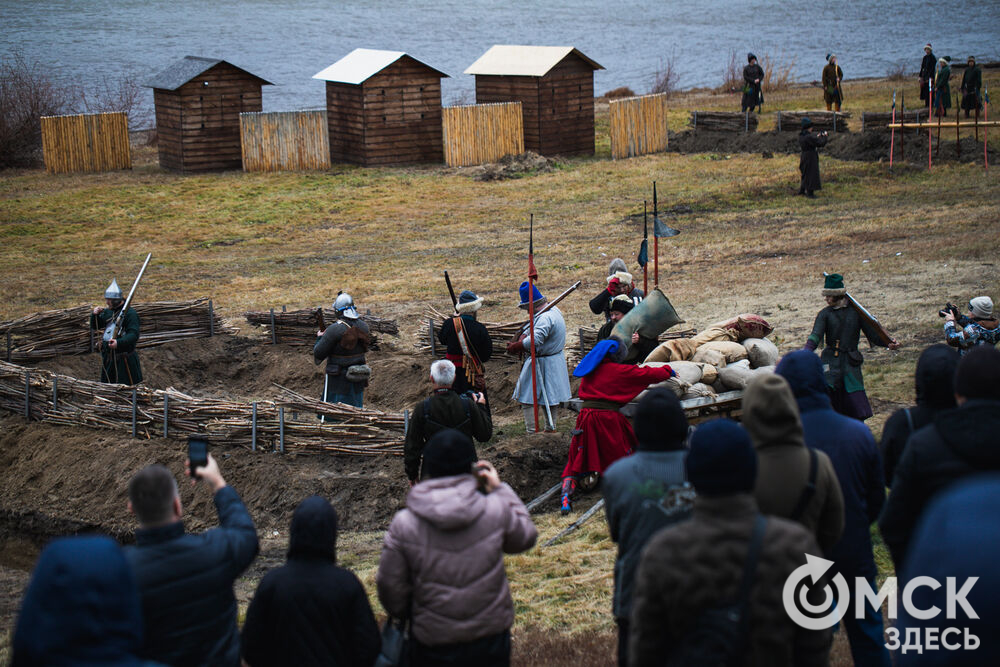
442,561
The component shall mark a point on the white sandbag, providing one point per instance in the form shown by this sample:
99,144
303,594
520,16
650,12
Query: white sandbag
675,385
761,352
732,351
687,371
707,355
736,375
699,390
709,373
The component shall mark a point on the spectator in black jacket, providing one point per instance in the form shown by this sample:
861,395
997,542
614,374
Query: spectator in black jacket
619,282
935,382
309,611
185,581
957,444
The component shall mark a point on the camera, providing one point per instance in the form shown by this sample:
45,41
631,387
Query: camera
960,319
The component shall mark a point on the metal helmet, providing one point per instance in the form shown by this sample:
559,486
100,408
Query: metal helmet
344,305
113,291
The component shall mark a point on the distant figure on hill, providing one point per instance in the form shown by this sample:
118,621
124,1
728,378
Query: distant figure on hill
753,75
972,83
927,74
310,611
833,92
809,141
467,343
343,345
942,89
119,360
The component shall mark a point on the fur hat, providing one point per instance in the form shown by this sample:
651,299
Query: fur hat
830,56
751,57
982,307
535,297
806,122
834,285
944,60
927,46
468,302
616,265
623,277
622,304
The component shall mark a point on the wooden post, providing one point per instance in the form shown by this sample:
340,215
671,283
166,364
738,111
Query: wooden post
91,341
281,430
902,131
930,107
274,332
135,399
55,393
27,394
166,414
253,428
211,319
958,117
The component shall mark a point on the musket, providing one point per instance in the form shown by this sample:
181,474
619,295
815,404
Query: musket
550,304
656,243
863,312
114,326
451,291
645,241
320,319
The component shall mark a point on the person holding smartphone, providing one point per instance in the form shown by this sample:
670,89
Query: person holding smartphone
809,141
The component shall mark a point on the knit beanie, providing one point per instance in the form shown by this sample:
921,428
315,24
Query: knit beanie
833,285
314,529
660,423
770,413
978,374
982,306
722,460
448,452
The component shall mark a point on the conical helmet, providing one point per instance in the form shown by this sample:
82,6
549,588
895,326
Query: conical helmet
344,305
113,291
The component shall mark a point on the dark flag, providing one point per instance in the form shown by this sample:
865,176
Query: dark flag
644,253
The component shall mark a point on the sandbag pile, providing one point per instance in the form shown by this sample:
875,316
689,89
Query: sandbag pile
723,357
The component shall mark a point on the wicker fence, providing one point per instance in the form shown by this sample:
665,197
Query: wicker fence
298,327
638,126
482,133
285,141
57,332
86,143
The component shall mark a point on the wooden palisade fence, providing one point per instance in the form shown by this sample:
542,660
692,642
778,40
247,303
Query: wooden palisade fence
86,143
298,327
481,133
831,121
723,121
638,126
285,141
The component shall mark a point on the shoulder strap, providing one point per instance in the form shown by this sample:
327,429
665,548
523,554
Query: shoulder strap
810,487
909,419
750,564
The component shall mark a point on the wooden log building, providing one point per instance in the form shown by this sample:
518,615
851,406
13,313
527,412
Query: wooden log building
383,108
198,104
555,86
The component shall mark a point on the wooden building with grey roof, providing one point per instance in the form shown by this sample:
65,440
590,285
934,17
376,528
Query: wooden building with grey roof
198,103
555,86
383,108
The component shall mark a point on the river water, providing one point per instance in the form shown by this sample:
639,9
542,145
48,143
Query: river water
287,41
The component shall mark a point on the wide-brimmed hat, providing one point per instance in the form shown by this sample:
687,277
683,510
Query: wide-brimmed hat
536,296
982,306
468,302
834,285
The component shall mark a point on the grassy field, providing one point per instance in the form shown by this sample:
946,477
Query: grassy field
905,242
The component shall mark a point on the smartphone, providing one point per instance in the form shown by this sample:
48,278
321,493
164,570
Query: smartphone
197,453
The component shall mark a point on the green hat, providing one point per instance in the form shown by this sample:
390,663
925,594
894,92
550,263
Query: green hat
834,285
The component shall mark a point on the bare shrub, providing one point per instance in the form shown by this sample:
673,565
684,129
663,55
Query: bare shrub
732,75
26,94
897,71
665,78
123,94
777,74
621,91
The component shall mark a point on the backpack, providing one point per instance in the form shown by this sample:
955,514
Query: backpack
720,635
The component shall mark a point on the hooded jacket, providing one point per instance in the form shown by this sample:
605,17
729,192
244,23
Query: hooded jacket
442,561
935,389
771,416
309,611
81,608
956,444
851,448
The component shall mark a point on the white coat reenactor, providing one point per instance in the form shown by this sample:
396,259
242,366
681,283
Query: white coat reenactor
343,345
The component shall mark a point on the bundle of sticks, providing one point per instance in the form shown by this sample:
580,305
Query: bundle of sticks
791,121
53,333
501,333
723,121
290,421
878,120
299,327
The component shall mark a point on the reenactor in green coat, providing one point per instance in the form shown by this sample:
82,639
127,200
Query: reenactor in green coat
942,89
119,360
972,83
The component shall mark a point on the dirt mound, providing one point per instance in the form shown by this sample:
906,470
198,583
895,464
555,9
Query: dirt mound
514,166
864,146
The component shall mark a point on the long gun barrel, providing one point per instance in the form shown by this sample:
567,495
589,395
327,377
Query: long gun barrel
451,291
115,327
550,304
883,334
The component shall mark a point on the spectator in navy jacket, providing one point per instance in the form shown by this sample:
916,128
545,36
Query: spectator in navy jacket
309,611
186,581
856,462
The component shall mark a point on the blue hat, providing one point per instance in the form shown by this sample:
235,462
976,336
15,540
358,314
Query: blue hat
523,290
722,460
805,122
595,356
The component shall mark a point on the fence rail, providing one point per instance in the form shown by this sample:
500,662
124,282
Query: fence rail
638,126
482,133
285,141
86,143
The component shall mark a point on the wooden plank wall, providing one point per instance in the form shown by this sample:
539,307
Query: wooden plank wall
482,133
402,107
523,89
345,122
86,143
638,126
285,141
566,109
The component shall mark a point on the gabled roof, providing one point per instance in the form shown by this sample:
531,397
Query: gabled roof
187,68
510,60
362,64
